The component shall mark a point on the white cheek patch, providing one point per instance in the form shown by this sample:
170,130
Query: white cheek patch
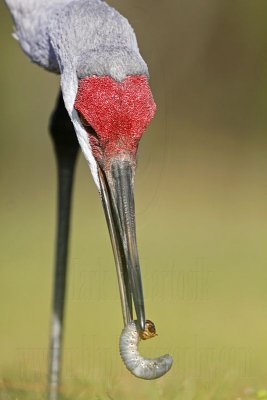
69,86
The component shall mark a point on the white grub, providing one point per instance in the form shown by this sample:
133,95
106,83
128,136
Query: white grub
142,367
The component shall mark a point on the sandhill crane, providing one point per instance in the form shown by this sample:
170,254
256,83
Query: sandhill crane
106,95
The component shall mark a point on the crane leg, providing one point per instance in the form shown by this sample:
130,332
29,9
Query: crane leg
66,149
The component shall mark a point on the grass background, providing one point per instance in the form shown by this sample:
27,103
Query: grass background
201,200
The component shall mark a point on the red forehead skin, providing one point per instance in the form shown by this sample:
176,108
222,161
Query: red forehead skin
118,112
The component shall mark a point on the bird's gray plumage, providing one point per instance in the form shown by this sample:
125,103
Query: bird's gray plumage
77,38
86,35
100,41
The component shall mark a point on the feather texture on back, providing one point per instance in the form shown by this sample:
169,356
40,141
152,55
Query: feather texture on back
88,35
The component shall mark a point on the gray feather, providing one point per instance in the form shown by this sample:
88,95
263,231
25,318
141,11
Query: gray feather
86,35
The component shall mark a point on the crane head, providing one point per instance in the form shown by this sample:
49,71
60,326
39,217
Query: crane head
115,115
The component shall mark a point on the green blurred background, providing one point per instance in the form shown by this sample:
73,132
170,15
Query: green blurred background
201,200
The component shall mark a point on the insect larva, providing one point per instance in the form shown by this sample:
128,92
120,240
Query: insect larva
142,367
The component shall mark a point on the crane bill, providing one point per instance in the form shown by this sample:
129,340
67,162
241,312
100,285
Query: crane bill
120,262
116,184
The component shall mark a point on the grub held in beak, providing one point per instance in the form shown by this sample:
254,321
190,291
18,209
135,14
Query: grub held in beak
116,182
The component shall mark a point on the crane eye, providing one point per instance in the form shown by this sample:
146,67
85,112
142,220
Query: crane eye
89,129
83,120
